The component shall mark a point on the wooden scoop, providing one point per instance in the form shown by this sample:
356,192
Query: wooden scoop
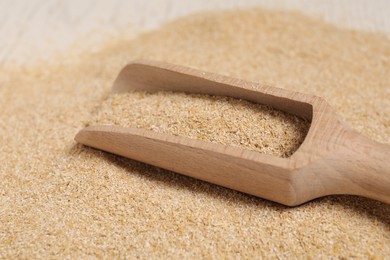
333,159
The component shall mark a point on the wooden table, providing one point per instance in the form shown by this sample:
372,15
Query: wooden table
29,29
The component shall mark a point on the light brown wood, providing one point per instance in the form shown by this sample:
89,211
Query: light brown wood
333,159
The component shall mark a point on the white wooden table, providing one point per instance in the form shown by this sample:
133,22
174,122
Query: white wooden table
31,28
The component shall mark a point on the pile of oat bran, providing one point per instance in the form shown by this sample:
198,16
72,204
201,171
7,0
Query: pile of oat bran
216,119
59,198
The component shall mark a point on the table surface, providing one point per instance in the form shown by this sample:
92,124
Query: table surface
33,28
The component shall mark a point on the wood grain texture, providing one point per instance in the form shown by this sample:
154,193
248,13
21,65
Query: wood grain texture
333,159
37,28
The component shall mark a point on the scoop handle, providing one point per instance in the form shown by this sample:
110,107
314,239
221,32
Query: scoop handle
366,165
